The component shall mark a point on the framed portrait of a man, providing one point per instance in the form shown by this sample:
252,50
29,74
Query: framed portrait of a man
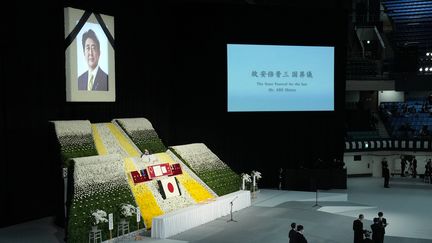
90,63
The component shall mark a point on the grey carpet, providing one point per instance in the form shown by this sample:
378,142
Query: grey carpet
406,205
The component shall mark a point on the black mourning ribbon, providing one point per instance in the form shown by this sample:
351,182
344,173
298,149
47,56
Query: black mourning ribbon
81,23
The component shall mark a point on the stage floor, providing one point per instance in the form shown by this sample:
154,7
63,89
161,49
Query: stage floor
406,205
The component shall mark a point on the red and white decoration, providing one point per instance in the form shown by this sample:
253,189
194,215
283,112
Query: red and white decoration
159,170
140,176
176,169
156,171
169,187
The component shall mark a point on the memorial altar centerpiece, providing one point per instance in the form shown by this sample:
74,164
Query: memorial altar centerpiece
99,156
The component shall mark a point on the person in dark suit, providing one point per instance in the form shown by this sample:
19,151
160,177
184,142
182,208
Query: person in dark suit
384,164
414,167
386,177
382,222
358,229
376,231
292,233
94,78
428,170
299,235
403,165
280,178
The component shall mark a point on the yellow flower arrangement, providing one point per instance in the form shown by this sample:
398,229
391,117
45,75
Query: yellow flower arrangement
143,196
198,192
98,141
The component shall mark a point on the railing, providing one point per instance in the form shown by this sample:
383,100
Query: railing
388,144
364,69
354,135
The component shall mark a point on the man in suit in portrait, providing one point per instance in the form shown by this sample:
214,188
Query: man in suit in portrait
94,78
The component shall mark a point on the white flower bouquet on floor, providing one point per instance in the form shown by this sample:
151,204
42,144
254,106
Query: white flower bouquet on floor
256,175
127,210
245,178
99,216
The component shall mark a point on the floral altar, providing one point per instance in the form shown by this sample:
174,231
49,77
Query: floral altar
108,170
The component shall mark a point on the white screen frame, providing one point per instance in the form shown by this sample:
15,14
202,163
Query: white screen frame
74,63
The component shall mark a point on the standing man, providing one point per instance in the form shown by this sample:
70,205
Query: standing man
382,222
299,236
384,163
358,229
386,176
414,167
403,164
428,170
376,231
280,178
292,233
94,78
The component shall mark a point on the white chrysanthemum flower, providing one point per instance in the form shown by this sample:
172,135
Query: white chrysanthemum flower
257,174
100,216
127,210
246,177
98,174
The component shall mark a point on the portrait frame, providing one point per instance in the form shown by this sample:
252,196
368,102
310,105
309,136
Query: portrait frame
77,22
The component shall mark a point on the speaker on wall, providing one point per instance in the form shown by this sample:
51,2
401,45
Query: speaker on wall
357,157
